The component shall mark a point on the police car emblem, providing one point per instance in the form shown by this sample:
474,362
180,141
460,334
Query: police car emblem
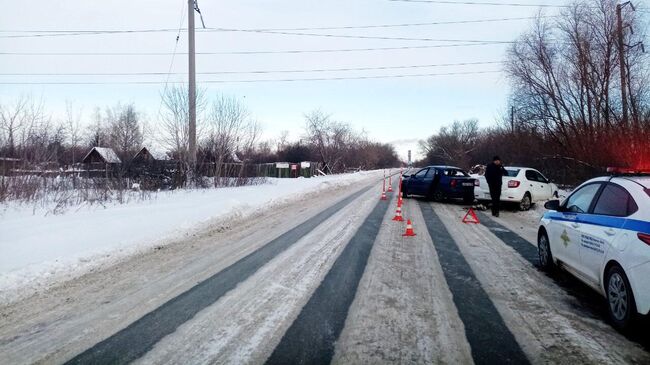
565,238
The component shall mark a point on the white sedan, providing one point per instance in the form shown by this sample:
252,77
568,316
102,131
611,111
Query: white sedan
523,185
601,234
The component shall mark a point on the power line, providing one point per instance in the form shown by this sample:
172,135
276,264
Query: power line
366,37
56,33
253,81
483,3
348,36
171,63
248,52
259,71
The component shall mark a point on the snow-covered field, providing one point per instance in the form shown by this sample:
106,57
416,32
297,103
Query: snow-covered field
38,248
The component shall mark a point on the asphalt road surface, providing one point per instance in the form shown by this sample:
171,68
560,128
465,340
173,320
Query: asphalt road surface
327,280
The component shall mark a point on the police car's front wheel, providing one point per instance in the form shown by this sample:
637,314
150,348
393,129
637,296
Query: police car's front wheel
620,299
544,252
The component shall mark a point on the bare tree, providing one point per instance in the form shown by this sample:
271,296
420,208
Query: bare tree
564,74
230,129
453,144
73,126
174,128
12,120
125,130
96,131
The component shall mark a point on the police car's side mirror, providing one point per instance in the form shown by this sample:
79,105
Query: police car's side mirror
552,205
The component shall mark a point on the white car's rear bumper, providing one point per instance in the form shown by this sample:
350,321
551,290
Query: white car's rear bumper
507,195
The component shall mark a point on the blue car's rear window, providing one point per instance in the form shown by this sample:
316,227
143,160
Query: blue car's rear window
455,172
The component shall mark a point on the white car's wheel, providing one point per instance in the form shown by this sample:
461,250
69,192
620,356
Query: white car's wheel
525,202
620,299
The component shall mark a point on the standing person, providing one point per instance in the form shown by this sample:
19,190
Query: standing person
494,173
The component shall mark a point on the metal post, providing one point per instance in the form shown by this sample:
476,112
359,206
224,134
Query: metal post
621,58
192,84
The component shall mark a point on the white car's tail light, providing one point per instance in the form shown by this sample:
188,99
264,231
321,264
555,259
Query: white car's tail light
644,237
514,183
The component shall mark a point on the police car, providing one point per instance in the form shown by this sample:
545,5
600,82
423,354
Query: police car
601,235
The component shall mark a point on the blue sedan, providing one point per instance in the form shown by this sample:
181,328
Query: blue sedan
439,183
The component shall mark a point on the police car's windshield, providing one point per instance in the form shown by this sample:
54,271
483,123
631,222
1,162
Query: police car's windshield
513,172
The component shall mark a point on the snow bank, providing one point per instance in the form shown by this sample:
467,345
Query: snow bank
37,248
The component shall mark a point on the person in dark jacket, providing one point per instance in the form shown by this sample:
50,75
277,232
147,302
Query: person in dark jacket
494,173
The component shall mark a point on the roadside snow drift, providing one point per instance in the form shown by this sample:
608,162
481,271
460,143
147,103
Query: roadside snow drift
36,247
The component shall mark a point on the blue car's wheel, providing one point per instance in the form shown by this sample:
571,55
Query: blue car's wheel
437,195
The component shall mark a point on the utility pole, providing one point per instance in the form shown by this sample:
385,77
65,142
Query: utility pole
192,83
512,119
621,59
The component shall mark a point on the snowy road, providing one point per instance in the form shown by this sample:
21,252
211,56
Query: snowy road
329,280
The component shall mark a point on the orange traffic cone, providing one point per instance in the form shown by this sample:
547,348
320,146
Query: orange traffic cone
409,229
398,215
383,195
390,183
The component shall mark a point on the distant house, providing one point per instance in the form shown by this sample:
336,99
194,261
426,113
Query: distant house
155,169
101,155
147,155
101,162
7,164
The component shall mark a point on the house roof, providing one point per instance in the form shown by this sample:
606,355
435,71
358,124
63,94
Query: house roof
107,154
157,155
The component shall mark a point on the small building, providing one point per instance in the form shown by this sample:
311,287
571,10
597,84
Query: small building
101,155
101,162
154,170
7,164
146,155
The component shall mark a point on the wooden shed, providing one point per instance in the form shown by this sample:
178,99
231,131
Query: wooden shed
101,161
101,155
147,155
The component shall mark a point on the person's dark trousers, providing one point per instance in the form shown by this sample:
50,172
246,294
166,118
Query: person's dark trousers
495,193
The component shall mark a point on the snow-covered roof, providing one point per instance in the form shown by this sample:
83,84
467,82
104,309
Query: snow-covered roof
106,153
157,155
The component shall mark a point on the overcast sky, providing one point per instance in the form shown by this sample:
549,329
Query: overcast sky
390,109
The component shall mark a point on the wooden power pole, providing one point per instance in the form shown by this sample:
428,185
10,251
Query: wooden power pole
192,83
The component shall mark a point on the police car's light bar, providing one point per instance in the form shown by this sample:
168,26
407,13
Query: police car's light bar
627,171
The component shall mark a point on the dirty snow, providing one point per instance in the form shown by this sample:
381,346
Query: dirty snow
66,318
403,312
548,323
38,247
246,324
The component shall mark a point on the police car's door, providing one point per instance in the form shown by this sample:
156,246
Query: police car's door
601,229
567,227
